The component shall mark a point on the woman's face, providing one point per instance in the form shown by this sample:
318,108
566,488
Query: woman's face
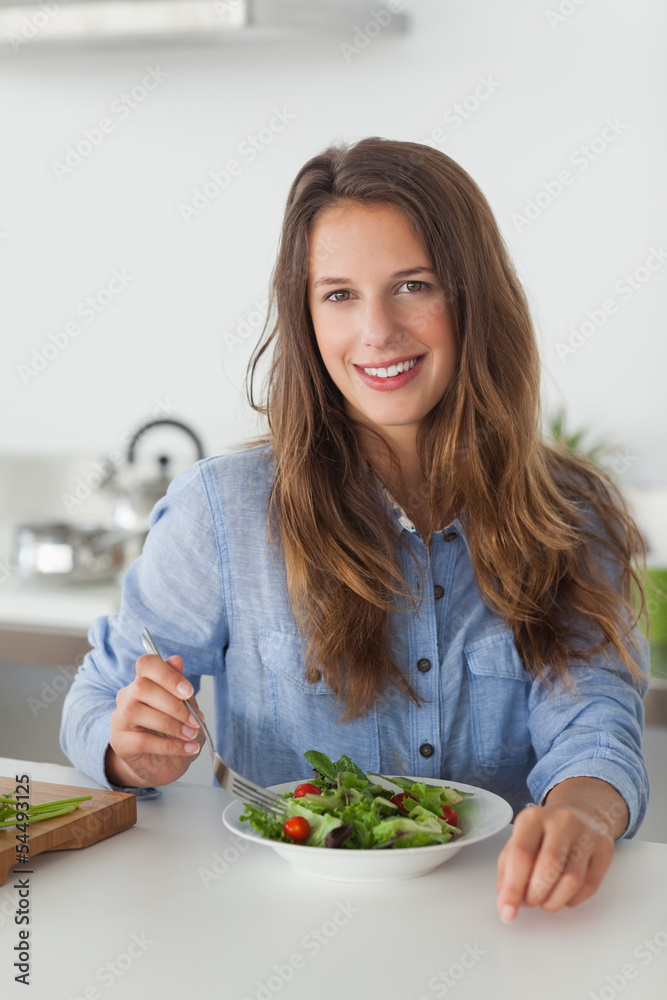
381,321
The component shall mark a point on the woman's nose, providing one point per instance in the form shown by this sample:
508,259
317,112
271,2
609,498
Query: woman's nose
378,325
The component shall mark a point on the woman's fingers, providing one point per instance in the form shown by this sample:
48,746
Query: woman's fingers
151,716
161,686
140,715
166,674
146,694
518,861
142,741
597,868
558,872
554,858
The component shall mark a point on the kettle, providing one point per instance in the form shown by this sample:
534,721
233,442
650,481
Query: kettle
135,501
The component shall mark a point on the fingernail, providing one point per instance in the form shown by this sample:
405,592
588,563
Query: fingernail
191,747
188,731
185,689
193,722
508,913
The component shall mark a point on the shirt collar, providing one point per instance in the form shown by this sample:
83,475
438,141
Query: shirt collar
406,524
402,518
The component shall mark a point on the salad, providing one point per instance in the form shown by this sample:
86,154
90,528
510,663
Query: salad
343,807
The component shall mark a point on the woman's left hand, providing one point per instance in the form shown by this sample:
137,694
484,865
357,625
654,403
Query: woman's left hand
559,852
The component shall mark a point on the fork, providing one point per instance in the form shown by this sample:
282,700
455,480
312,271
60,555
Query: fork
238,786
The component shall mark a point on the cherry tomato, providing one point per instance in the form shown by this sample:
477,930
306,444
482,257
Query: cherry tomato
306,789
398,800
297,828
450,816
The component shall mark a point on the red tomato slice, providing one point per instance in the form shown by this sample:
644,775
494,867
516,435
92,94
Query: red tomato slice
306,789
398,800
450,816
297,828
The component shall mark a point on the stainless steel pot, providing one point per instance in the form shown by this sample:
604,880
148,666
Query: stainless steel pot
71,552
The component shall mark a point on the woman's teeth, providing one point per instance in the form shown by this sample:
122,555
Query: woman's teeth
392,370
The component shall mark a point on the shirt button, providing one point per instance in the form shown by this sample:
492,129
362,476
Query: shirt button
424,665
449,536
426,750
438,592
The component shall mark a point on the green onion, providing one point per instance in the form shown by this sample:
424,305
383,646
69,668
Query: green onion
36,812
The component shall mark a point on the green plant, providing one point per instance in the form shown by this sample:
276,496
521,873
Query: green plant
655,580
574,441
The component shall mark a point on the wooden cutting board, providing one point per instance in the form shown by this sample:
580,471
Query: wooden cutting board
102,815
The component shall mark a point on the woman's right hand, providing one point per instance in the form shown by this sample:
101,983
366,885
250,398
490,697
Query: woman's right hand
154,735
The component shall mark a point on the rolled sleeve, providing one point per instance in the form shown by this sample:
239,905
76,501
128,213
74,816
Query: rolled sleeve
595,731
174,589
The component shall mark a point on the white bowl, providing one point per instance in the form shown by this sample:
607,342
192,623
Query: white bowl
483,816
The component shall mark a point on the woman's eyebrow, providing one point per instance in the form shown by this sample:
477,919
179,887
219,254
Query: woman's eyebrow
408,273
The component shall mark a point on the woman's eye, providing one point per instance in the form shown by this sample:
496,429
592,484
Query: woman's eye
344,295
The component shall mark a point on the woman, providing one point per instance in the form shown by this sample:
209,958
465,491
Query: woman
403,571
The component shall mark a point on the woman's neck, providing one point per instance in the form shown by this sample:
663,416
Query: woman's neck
406,483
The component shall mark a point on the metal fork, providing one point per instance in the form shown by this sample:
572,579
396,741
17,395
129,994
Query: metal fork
238,786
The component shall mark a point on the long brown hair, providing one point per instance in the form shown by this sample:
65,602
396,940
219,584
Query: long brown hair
552,542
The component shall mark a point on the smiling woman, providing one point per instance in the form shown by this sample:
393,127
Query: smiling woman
402,571
457,436
386,336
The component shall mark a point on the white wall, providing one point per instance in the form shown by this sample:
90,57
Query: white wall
163,336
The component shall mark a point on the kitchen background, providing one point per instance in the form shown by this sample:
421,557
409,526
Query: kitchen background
142,195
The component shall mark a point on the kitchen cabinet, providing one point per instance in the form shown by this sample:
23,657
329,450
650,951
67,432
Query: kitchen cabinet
37,666
43,640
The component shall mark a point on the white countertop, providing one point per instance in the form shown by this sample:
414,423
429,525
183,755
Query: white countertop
178,911
72,606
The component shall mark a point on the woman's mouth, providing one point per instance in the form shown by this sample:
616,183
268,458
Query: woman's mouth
393,370
390,376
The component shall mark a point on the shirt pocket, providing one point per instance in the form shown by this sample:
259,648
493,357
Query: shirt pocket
305,715
499,692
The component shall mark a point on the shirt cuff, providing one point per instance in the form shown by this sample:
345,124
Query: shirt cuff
141,791
614,775
89,753
144,792
85,738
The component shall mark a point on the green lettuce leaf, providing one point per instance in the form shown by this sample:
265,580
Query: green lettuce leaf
321,763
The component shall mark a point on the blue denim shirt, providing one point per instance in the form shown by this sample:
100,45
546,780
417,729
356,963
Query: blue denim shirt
211,588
